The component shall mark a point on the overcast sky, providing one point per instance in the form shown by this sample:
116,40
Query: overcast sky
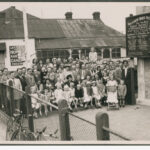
112,14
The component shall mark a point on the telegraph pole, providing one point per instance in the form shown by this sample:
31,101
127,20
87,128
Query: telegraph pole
25,27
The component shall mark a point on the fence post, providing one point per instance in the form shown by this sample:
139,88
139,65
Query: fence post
102,120
64,120
10,102
1,96
29,109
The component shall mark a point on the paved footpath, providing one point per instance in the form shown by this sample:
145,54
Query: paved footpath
131,121
2,131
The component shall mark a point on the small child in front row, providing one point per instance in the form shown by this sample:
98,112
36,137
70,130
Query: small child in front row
79,95
44,97
35,104
72,94
58,94
67,96
122,91
96,94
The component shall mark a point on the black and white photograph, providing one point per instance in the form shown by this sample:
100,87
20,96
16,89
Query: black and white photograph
74,72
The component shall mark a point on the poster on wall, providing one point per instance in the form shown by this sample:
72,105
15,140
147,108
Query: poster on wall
138,35
17,55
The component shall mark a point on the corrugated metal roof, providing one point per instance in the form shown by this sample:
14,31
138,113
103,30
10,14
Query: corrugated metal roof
67,33
80,43
86,28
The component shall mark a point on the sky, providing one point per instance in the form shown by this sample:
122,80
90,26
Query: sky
112,14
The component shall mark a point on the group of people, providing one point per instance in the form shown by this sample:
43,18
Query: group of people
85,82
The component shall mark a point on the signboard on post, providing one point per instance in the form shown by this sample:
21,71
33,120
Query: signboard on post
17,55
138,35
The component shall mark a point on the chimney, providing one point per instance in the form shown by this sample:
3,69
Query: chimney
68,15
96,15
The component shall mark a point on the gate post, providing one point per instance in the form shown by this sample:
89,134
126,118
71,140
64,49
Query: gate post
64,120
102,120
29,109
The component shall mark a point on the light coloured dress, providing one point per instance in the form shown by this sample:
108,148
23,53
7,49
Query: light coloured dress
58,94
72,94
34,101
96,93
112,91
87,98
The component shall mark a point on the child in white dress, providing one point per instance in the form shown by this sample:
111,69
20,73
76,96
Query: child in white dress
35,104
44,97
58,94
67,96
87,92
72,94
112,90
96,95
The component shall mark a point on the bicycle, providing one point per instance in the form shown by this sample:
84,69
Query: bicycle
40,135
20,133
17,131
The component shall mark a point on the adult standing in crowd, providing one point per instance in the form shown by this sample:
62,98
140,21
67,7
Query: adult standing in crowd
5,75
93,55
30,78
16,94
21,77
126,76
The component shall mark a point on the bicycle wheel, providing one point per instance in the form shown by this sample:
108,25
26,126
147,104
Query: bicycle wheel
9,129
18,136
30,137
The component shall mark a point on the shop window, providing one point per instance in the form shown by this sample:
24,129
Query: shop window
106,53
116,53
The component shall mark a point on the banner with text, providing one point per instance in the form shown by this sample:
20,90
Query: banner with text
17,55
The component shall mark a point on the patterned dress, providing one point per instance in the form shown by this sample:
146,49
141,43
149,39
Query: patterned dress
112,91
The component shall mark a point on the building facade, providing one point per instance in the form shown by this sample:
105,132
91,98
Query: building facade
49,38
143,70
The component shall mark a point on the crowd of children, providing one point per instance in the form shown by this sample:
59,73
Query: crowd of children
83,84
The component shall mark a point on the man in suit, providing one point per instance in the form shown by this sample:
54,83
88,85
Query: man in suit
16,94
117,73
21,77
30,78
126,76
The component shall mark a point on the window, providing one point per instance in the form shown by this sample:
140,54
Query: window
116,53
75,53
98,50
85,52
44,54
106,53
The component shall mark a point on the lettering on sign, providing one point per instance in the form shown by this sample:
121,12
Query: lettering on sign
138,35
17,55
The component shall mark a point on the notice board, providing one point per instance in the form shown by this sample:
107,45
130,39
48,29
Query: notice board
17,55
138,35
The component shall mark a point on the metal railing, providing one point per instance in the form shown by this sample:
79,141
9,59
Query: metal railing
67,121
